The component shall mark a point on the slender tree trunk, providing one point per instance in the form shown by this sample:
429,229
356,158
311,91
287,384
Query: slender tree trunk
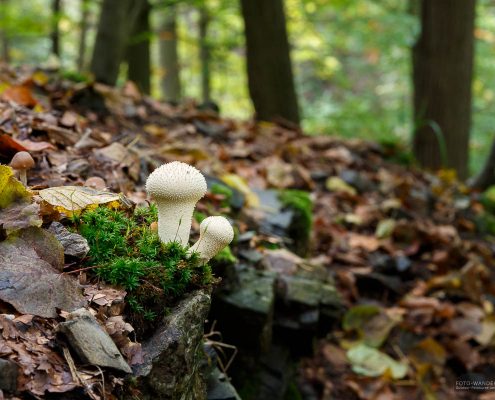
442,75
269,69
486,177
169,57
83,34
116,19
3,34
138,50
204,54
55,35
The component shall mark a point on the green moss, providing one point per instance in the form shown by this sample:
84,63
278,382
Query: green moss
129,255
225,257
485,223
199,216
223,190
300,230
488,199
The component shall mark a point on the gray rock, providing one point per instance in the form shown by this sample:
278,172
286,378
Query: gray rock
245,313
219,387
276,371
8,375
274,219
74,244
173,355
91,342
357,180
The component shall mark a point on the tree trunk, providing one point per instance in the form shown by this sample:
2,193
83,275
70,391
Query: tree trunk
442,74
116,19
55,34
83,34
169,58
269,68
486,177
204,54
3,34
138,50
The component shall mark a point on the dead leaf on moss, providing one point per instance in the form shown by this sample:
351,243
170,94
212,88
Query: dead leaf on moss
76,198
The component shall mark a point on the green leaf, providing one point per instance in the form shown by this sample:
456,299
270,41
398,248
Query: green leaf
369,361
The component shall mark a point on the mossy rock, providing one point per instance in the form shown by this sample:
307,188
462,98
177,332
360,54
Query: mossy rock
130,255
301,224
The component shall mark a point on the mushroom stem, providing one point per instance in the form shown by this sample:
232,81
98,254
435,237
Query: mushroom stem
174,221
23,176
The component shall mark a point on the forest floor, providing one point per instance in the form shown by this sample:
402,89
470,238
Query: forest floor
412,253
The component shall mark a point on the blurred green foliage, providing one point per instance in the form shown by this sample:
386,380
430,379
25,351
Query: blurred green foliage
351,59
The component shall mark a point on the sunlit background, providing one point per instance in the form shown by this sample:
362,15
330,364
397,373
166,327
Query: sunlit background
351,60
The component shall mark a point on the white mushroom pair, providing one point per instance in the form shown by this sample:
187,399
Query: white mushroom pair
176,187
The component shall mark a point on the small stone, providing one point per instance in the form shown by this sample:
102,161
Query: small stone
282,261
8,375
91,342
219,387
74,244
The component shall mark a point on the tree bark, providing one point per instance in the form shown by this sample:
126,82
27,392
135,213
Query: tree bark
442,75
55,34
116,19
269,69
138,50
169,57
204,54
3,34
83,34
486,177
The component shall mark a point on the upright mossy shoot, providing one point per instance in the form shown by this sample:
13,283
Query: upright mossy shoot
301,204
127,253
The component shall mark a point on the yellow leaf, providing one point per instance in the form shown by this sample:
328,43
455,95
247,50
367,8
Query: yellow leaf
336,184
76,198
240,184
10,188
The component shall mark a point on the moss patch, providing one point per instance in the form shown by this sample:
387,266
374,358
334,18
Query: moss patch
300,203
129,255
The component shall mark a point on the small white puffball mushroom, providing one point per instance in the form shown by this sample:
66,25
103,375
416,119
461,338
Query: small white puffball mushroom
214,234
175,187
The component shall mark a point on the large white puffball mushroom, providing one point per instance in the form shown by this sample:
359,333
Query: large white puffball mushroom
214,234
175,187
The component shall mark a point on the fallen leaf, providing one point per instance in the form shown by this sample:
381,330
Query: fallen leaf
10,188
76,198
369,361
32,285
335,184
9,146
20,94
29,145
240,184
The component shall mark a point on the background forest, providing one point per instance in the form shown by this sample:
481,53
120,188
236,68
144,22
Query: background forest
351,59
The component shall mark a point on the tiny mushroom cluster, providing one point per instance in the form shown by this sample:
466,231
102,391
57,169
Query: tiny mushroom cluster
176,187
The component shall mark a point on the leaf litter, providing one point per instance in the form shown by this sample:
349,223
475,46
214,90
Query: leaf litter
412,253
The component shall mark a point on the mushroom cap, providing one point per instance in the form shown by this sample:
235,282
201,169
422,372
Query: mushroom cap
217,229
176,181
22,160
95,182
